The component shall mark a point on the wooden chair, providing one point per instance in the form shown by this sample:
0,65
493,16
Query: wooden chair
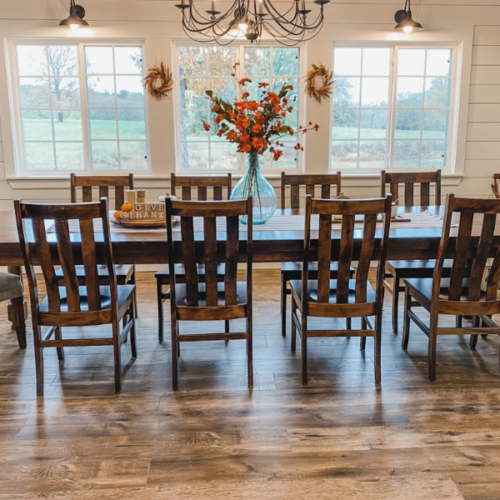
125,273
11,288
342,297
397,270
462,293
218,183
293,270
494,185
99,301
192,299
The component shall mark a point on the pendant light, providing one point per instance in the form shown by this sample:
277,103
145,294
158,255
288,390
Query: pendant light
75,19
405,21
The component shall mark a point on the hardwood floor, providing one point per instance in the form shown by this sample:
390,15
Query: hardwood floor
337,437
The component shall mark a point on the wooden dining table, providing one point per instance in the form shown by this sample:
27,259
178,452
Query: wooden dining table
284,242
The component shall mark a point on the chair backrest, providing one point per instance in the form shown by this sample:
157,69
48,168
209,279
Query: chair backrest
103,182
207,249
373,248
409,179
494,185
469,260
188,182
310,182
35,225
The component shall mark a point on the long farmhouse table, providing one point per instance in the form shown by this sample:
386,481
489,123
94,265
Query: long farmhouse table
283,241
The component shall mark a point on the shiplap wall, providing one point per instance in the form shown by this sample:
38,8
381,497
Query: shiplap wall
348,20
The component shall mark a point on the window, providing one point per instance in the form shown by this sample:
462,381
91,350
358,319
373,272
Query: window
82,107
391,116
210,67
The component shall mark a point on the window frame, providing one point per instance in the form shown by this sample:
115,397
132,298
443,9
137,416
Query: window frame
14,89
453,126
240,71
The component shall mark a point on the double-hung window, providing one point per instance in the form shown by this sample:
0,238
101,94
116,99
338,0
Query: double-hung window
80,107
392,108
202,68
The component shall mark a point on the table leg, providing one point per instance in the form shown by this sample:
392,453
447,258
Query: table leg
17,312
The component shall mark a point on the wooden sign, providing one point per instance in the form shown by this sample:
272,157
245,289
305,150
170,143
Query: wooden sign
148,211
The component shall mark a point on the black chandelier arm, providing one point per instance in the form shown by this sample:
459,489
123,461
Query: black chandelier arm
212,21
294,27
270,9
319,19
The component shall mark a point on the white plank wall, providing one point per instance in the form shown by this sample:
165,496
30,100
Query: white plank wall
483,137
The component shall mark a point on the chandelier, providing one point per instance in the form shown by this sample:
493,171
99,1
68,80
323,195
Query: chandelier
289,26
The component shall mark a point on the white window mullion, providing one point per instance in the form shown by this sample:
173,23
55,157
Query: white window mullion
83,109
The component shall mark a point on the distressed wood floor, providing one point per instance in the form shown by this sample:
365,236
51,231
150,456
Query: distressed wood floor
339,437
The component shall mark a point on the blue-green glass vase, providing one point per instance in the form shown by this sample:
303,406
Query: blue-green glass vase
254,184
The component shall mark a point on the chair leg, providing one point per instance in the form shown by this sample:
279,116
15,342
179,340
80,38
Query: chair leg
283,305
432,346
117,357
293,326
473,338
133,282
459,321
406,325
60,350
362,340
38,360
159,300
378,349
226,329
250,350
20,322
175,353
133,341
303,347
395,302
348,323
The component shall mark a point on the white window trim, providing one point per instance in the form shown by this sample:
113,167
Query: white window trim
453,133
20,171
177,111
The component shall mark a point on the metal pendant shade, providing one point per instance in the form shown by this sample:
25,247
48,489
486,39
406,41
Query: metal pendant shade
75,18
404,20
288,25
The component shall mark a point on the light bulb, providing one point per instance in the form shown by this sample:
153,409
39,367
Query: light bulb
74,27
242,26
408,29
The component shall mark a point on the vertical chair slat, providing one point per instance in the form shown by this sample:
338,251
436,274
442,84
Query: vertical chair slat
87,193
210,236
295,196
461,255
186,193
49,273
394,191
365,258
425,194
481,258
189,259
119,197
104,193
310,189
217,193
232,250
324,257
90,264
409,194
325,191
202,193
68,265
345,258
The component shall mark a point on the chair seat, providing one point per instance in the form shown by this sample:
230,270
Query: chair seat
125,293
312,286
11,286
122,271
424,287
296,267
416,268
241,294
164,272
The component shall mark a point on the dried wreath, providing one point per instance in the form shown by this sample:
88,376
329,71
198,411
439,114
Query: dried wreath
319,83
159,81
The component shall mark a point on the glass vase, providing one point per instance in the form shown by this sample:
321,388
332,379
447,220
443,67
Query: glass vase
255,184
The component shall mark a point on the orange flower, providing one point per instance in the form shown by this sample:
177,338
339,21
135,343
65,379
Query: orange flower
257,128
219,118
245,147
273,98
291,131
244,81
242,123
283,114
277,155
252,106
206,126
263,84
289,87
220,132
216,108
231,114
245,95
231,135
259,143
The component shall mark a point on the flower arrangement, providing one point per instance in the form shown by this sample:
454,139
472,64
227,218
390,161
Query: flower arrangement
256,126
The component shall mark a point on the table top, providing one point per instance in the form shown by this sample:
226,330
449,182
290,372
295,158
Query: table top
142,246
